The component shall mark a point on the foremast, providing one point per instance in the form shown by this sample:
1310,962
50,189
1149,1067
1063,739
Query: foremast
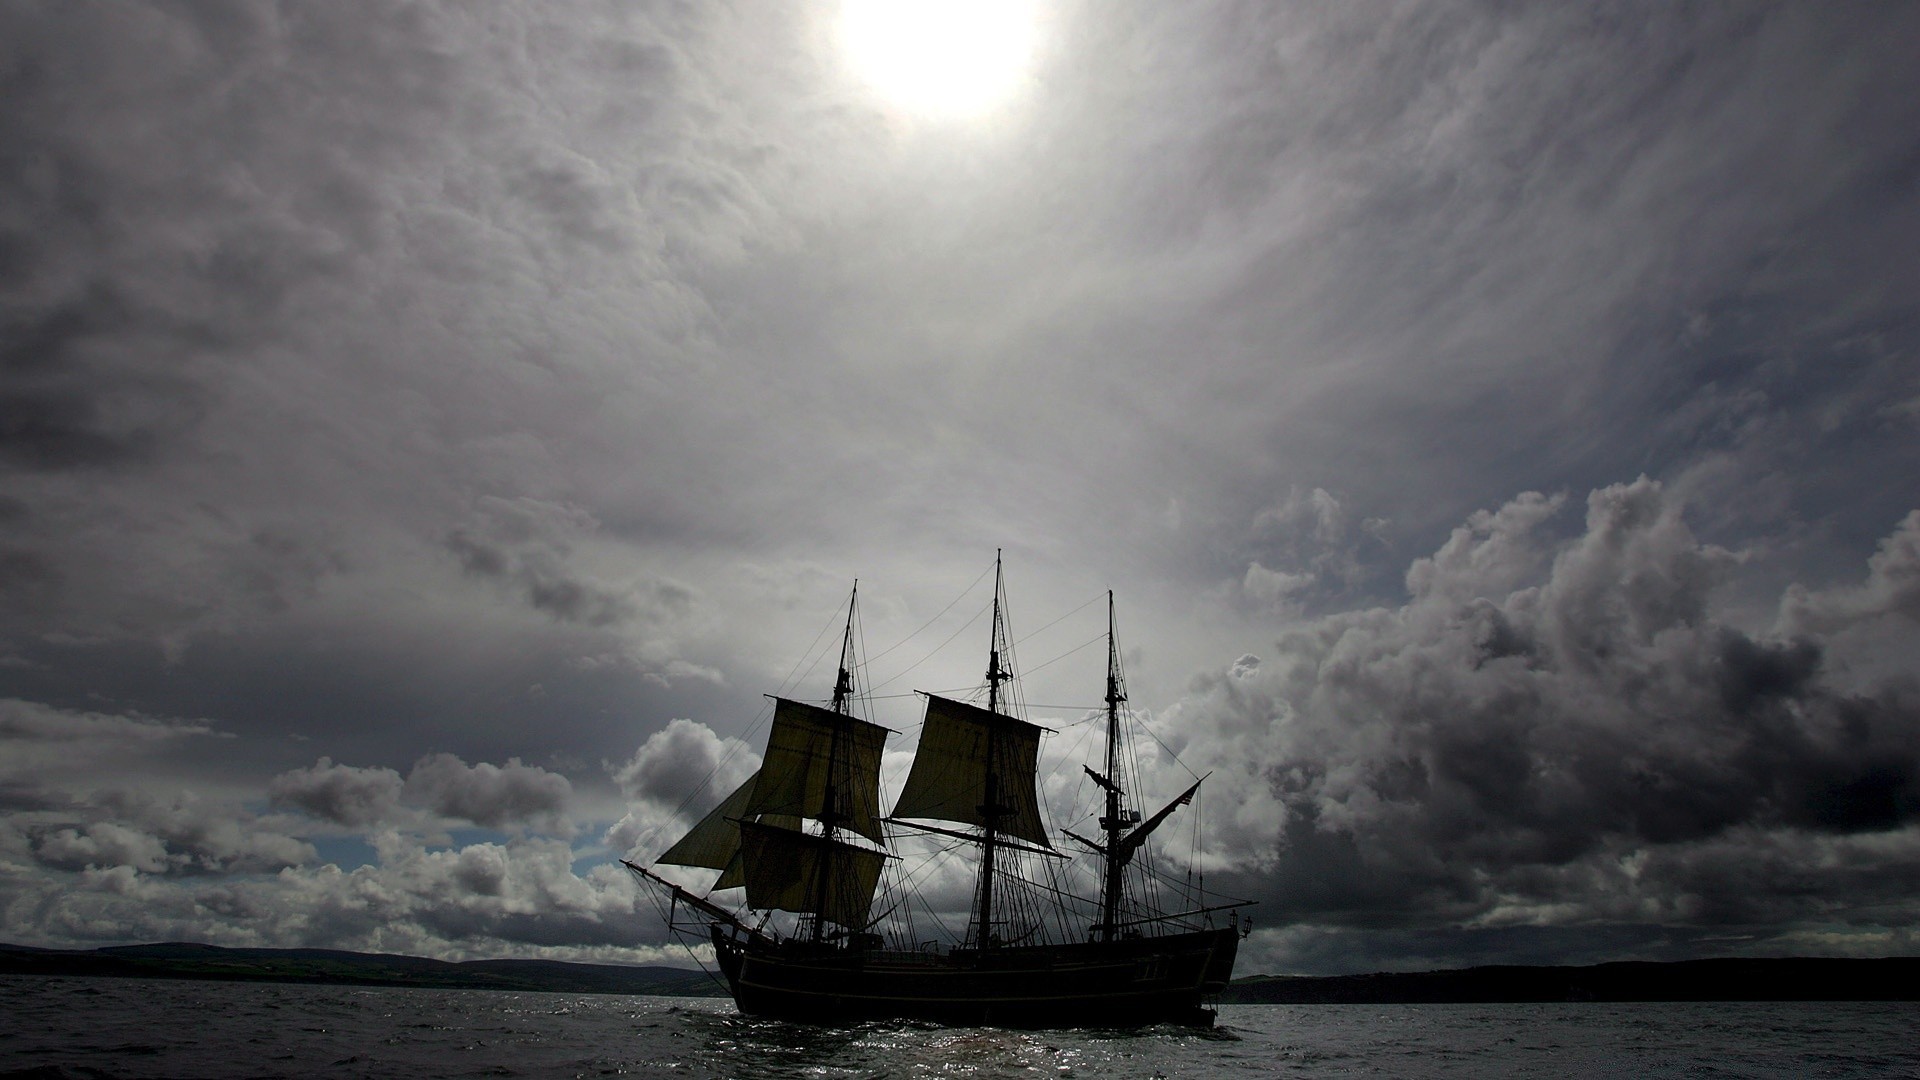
991,809
819,763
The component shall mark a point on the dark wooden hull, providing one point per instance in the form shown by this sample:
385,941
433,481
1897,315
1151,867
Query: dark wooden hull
1155,980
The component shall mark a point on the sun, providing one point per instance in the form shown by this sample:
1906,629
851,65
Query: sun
954,58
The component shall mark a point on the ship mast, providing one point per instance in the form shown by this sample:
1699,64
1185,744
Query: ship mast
830,811
990,809
1111,823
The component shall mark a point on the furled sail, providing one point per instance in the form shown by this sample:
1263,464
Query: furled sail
1131,842
948,781
810,750
783,869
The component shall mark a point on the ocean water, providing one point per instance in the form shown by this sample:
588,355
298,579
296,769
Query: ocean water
128,1028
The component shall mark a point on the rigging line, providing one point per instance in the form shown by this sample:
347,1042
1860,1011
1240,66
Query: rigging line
832,620
665,910
1176,757
739,744
943,611
936,650
1096,597
1095,640
1199,890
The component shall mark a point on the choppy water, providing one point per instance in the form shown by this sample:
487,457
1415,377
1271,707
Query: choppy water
127,1028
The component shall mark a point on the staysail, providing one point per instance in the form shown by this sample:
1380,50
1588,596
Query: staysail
715,842
961,745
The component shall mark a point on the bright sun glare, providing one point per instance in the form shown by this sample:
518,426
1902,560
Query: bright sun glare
946,57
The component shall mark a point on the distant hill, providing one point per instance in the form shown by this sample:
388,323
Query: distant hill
186,960
1779,979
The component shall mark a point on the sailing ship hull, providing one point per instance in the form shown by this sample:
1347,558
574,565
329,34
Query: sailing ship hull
1145,980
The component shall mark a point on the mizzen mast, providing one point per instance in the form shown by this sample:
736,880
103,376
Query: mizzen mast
1111,823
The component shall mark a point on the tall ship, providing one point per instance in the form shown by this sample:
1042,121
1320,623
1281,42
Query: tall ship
822,926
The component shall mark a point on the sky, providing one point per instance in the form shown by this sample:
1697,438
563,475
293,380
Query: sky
428,430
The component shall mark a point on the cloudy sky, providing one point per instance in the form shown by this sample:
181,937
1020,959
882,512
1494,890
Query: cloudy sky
428,429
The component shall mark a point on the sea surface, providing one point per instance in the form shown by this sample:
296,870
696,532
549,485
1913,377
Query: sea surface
126,1028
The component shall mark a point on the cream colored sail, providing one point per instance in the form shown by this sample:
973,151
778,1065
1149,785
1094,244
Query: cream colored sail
960,746
783,868
811,749
715,841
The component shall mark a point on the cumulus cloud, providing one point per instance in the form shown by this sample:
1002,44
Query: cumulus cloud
683,759
1892,589
509,795
102,844
439,788
208,835
64,815
481,900
343,794
1559,731
666,778
1319,533
154,832
1274,587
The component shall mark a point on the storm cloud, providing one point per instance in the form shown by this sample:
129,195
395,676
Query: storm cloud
1562,732
427,431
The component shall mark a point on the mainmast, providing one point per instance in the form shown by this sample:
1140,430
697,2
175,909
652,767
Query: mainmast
830,808
1111,823
843,685
990,809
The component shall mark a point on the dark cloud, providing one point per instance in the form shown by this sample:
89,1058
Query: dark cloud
525,544
680,772
1892,589
683,760
342,794
1560,732
384,390
492,795
446,788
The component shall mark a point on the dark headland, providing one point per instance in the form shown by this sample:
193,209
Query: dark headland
185,960
1775,979
1729,979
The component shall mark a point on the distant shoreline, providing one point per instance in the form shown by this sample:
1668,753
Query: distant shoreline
1770,979
186,960
1727,979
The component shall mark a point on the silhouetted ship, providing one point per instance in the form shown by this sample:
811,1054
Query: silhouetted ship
805,835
